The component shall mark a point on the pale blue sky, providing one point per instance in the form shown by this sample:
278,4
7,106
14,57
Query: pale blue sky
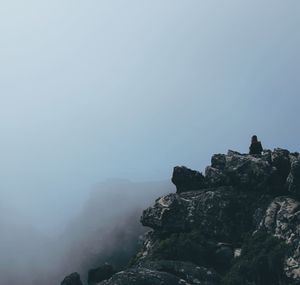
96,89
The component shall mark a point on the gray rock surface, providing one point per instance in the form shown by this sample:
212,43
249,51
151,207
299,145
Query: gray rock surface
188,271
264,173
222,213
143,276
246,172
282,219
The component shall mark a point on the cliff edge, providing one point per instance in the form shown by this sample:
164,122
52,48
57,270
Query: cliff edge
238,223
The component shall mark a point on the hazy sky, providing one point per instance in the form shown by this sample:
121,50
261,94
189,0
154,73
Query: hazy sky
96,89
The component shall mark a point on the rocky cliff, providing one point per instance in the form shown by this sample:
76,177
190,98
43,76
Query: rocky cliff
238,223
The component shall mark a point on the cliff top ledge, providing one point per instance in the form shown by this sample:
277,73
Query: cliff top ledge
236,224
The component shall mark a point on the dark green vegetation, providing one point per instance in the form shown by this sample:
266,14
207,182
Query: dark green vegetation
260,263
191,247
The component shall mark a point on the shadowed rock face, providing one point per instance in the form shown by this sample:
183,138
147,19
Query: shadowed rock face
282,163
245,207
282,219
102,273
293,180
72,279
186,179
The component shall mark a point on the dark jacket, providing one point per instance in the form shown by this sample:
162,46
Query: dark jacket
255,148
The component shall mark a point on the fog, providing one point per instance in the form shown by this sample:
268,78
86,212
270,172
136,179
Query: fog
94,90
106,229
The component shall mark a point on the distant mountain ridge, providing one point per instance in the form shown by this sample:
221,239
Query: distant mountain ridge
238,223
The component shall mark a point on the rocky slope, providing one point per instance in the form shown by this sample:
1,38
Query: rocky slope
238,223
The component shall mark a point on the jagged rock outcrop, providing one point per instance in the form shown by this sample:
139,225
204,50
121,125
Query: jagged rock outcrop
186,179
265,173
221,213
232,200
239,223
246,172
72,279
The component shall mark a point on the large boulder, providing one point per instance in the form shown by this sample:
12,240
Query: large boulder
72,279
143,276
246,172
222,213
186,179
282,219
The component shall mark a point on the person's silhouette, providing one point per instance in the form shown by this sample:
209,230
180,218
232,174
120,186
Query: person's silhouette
255,147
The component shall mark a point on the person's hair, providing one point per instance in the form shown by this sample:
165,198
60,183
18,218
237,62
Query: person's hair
254,139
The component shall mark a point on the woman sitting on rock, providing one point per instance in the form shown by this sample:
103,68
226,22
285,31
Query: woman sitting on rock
255,147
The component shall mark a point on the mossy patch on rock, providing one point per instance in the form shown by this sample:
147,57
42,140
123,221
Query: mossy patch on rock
261,262
193,247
